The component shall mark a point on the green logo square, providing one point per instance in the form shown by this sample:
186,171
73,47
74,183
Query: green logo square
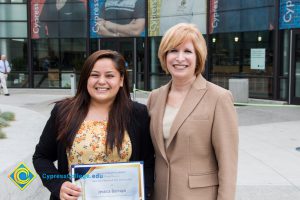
21,176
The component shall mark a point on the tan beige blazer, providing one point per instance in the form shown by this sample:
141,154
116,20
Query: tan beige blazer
200,157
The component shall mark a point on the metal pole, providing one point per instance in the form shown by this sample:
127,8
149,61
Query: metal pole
73,83
134,68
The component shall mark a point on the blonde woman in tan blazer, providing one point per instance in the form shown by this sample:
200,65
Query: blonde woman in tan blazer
193,126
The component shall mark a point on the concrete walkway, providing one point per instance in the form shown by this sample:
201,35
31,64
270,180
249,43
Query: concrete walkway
268,160
32,109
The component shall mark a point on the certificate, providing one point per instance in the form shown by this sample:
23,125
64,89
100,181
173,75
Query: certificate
110,181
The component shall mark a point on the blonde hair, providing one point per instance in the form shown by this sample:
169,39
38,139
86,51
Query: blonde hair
179,34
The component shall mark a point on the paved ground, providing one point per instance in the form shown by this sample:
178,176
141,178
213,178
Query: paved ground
32,109
268,160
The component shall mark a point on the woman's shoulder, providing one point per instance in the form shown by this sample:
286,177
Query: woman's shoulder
216,88
156,92
136,106
61,104
218,92
139,112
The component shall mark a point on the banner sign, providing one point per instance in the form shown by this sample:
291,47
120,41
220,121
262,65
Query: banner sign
289,14
163,14
123,18
54,19
153,15
241,15
36,8
95,9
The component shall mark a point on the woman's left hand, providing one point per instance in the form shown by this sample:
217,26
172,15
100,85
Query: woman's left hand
69,191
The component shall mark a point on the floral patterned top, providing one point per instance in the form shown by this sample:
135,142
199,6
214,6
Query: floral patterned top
89,145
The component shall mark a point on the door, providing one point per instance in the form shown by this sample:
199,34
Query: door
295,68
127,47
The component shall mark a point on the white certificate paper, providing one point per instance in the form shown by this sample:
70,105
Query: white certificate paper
110,181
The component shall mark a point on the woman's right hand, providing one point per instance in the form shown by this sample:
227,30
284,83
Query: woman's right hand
69,191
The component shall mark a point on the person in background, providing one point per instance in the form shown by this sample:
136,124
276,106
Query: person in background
63,18
4,71
122,18
100,124
193,126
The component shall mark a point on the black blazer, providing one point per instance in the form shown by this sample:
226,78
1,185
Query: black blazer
49,150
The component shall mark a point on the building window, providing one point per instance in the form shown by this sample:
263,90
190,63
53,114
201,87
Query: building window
13,12
55,59
158,77
13,42
235,55
16,52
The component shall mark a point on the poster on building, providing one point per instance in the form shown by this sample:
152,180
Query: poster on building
241,15
55,19
36,8
289,14
258,58
163,14
112,18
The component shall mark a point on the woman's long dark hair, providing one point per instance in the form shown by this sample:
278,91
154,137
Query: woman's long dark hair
72,111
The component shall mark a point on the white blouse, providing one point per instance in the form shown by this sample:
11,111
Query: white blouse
169,116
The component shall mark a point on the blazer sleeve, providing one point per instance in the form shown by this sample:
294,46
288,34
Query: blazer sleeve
45,154
225,143
154,94
149,101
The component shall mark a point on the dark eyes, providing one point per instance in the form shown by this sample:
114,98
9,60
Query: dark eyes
175,51
107,75
94,75
110,75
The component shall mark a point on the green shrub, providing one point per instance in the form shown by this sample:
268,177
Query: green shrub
3,123
2,134
4,118
8,116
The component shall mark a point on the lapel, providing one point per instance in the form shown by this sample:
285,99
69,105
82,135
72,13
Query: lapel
162,98
191,100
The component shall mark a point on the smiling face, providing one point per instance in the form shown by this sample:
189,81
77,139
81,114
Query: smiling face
104,82
181,61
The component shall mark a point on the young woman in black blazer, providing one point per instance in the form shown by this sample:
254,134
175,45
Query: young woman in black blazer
101,120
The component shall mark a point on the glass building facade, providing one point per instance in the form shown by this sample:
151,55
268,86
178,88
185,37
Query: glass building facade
47,40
